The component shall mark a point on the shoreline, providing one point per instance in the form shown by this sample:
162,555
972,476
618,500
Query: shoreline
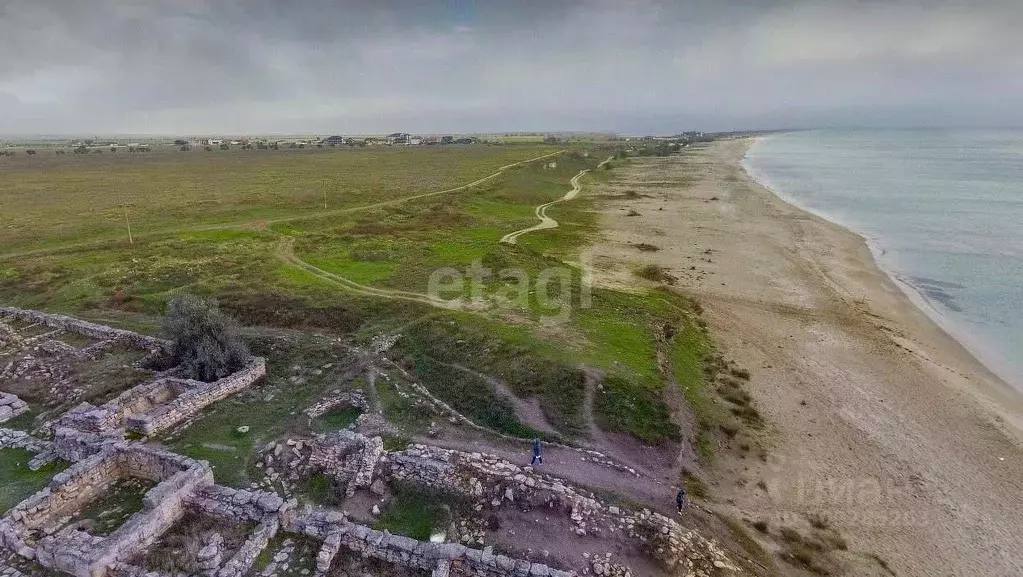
982,352
879,419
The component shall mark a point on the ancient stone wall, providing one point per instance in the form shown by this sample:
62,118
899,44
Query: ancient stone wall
338,398
349,458
11,406
160,404
337,532
32,527
240,504
497,483
246,555
193,397
93,330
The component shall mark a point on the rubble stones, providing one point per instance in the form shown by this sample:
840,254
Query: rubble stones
11,406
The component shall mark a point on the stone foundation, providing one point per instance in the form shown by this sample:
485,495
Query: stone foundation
152,407
92,438
93,330
336,532
11,406
32,528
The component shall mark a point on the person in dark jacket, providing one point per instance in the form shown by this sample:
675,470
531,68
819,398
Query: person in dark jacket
537,450
680,499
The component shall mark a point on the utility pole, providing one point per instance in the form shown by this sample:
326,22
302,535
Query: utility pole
128,224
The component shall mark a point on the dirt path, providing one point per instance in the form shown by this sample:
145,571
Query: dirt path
266,222
286,249
286,252
371,390
593,378
547,222
567,464
528,411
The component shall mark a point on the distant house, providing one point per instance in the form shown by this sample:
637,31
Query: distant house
415,141
333,140
447,139
464,141
398,138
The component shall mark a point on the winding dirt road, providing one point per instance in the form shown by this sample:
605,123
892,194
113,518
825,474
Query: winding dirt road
286,249
547,222
267,222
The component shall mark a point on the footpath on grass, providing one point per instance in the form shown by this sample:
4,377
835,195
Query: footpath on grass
294,218
547,222
286,251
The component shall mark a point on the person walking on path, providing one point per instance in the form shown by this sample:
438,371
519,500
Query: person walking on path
680,499
537,450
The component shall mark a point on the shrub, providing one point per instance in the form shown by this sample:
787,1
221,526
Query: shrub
760,525
205,340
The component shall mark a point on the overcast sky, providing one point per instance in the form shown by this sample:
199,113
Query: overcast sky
259,66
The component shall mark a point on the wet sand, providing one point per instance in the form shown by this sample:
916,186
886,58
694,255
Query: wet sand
879,420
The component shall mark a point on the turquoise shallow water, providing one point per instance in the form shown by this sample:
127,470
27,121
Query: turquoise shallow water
941,210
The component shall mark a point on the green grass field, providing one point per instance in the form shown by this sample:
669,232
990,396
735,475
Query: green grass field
220,223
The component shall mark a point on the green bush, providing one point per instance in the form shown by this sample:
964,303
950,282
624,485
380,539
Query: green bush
205,340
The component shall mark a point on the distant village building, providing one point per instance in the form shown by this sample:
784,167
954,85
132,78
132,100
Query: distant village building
398,138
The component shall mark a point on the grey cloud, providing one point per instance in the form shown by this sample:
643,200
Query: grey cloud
237,66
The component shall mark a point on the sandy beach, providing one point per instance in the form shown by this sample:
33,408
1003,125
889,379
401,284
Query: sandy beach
879,420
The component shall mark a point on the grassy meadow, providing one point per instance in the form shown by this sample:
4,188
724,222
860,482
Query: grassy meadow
217,224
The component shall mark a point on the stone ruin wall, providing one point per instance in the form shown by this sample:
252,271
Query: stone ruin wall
11,406
241,504
152,407
338,398
336,532
96,331
347,457
494,482
197,395
93,443
85,555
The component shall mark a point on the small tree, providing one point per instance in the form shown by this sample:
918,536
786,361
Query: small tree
205,340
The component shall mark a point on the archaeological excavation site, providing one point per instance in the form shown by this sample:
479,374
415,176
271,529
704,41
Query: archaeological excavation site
122,464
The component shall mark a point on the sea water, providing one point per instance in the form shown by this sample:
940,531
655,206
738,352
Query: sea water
941,210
